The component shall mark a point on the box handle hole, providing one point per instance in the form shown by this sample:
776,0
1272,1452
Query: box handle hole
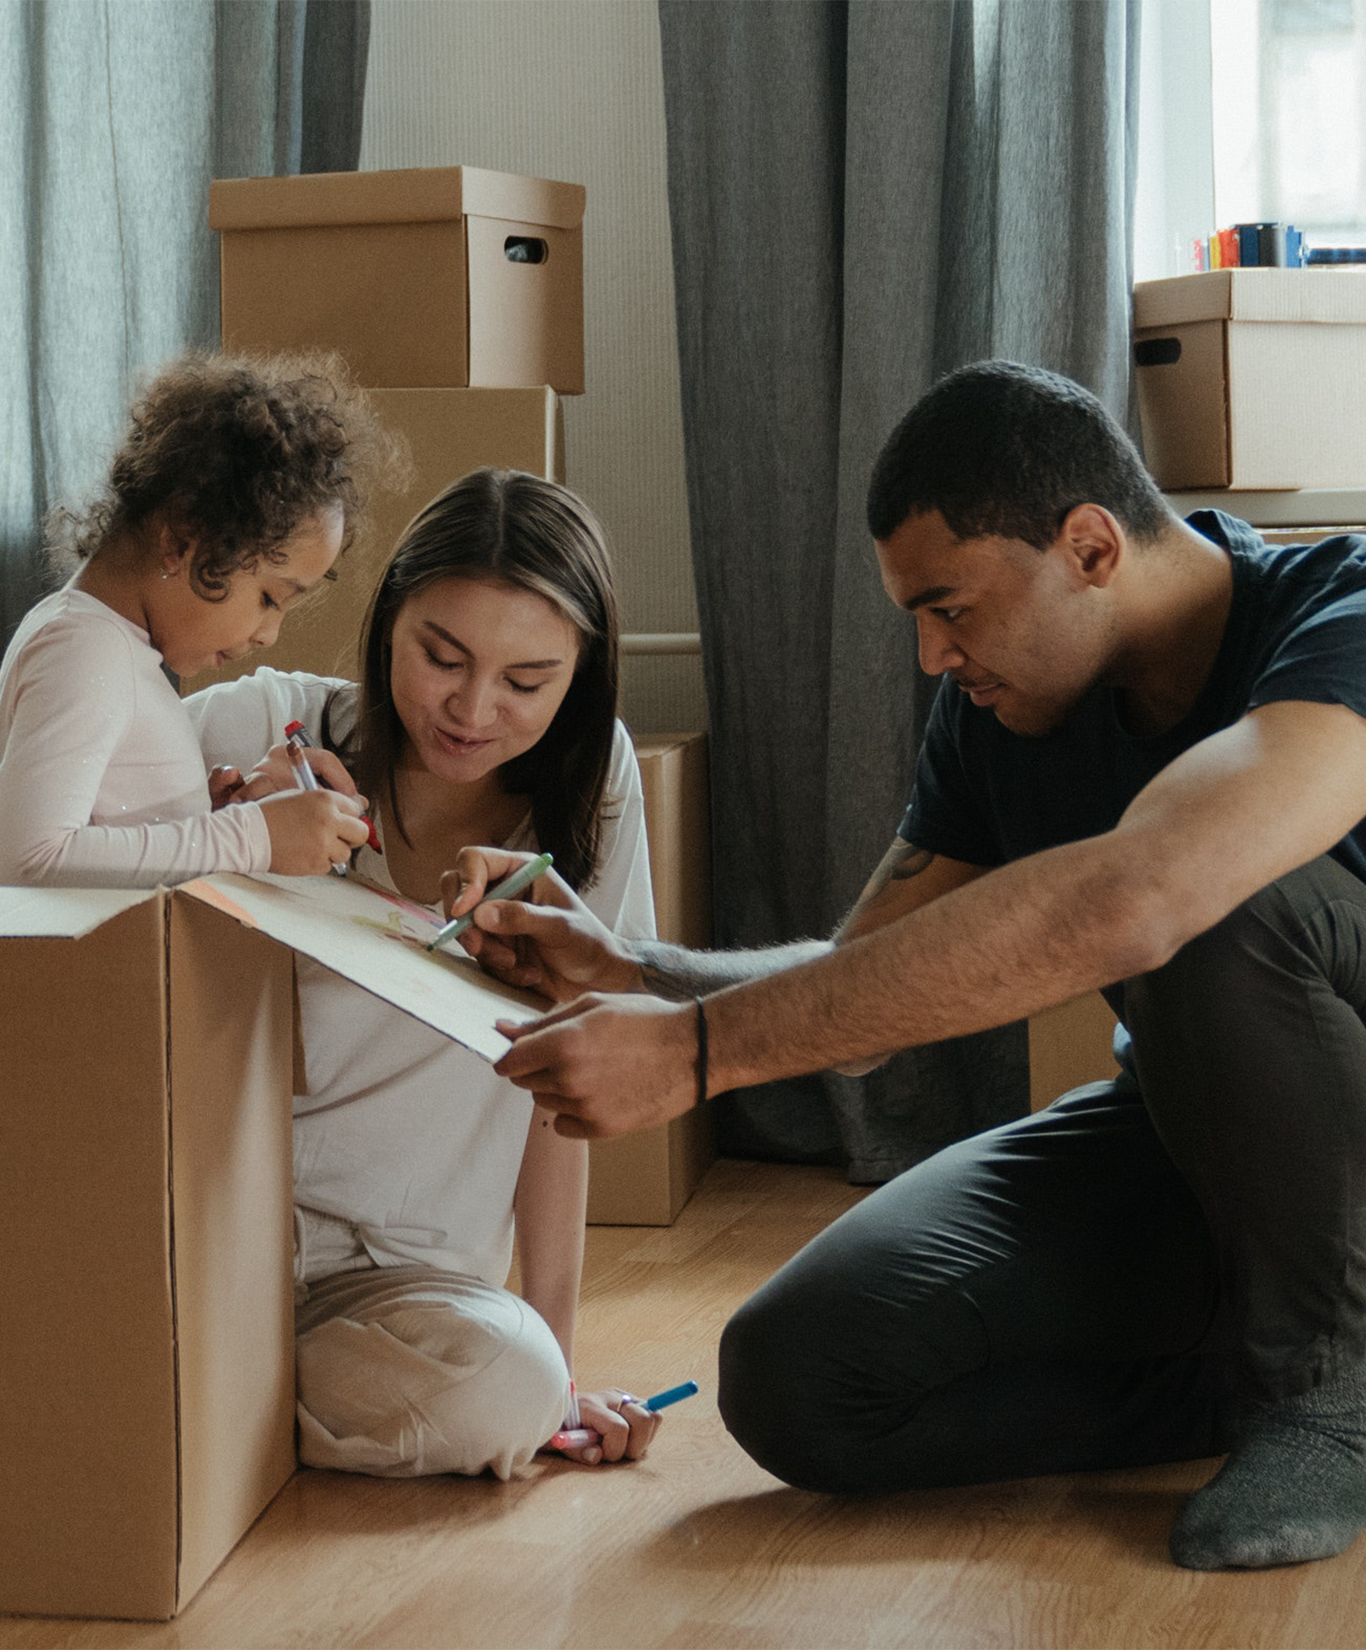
524,249
1157,352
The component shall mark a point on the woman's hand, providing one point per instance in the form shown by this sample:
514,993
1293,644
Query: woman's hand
273,774
310,831
225,784
548,941
624,1425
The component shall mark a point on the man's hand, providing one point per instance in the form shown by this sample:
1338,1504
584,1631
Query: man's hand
548,941
607,1065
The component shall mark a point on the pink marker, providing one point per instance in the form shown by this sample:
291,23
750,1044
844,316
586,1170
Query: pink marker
573,1438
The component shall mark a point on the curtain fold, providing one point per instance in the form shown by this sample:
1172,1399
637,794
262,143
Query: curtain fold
864,195
113,119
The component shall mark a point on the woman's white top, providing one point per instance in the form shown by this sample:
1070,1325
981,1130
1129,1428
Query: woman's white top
403,1135
102,784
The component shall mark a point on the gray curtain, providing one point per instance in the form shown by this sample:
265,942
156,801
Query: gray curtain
114,116
864,195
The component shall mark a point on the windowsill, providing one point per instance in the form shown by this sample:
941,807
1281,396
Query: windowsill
1307,507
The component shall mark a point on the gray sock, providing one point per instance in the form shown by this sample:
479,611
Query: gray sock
1293,1489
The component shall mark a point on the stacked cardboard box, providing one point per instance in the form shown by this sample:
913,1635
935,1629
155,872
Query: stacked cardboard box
1218,358
454,294
435,277
645,1179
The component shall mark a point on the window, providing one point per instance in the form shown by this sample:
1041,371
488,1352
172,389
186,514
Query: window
1289,85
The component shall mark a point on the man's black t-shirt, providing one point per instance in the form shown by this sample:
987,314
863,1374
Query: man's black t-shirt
1296,630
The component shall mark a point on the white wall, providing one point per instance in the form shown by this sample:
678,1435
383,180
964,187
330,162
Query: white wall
572,89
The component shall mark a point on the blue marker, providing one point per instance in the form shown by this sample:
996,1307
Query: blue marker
521,878
578,1437
675,1395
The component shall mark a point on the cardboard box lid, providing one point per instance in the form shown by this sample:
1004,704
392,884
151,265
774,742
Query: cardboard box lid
62,913
372,938
419,194
1330,295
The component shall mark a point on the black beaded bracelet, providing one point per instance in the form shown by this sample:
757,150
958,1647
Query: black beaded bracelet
701,1051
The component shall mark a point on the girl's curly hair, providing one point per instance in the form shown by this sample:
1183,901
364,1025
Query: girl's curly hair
240,452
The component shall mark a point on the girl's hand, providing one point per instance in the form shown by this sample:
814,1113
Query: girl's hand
225,785
273,774
548,941
623,1423
310,831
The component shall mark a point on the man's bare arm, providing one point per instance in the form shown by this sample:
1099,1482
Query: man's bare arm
906,878
1225,819
675,971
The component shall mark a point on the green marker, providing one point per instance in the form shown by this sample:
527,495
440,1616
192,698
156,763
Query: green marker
506,889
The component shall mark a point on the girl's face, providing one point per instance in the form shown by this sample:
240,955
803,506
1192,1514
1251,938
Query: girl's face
478,669
194,633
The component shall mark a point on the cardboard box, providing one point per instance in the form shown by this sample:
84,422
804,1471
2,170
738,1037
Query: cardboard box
450,433
645,1179
147,1385
1253,378
1068,1046
147,1378
430,277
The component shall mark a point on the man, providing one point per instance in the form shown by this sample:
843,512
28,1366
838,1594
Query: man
1145,771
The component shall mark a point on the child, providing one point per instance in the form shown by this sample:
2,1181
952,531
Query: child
235,490
487,714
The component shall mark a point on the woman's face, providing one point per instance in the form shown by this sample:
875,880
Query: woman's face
478,669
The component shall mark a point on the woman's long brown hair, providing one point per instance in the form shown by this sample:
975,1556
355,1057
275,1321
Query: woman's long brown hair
537,536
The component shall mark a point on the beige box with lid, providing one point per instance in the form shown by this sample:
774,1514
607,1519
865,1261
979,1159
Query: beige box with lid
1253,378
433,277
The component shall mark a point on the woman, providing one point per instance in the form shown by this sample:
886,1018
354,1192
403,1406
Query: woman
486,714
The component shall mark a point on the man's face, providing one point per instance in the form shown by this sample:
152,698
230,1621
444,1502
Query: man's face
1019,630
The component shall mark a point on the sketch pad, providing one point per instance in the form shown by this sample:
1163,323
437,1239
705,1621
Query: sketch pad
378,941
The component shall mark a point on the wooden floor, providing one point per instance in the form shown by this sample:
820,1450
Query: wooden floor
697,1549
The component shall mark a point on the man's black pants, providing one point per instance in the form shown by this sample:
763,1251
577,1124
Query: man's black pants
1100,1284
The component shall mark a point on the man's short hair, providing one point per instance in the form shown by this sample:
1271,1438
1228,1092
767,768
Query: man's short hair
998,448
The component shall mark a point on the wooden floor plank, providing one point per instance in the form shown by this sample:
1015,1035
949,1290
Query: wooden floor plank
697,1549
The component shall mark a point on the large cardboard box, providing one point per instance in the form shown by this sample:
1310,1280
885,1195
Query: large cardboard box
147,1377
1253,378
645,1179
147,1370
449,433
430,277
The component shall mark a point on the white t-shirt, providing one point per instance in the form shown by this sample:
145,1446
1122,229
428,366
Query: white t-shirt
101,779
404,1135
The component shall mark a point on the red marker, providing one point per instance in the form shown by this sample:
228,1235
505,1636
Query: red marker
297,734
